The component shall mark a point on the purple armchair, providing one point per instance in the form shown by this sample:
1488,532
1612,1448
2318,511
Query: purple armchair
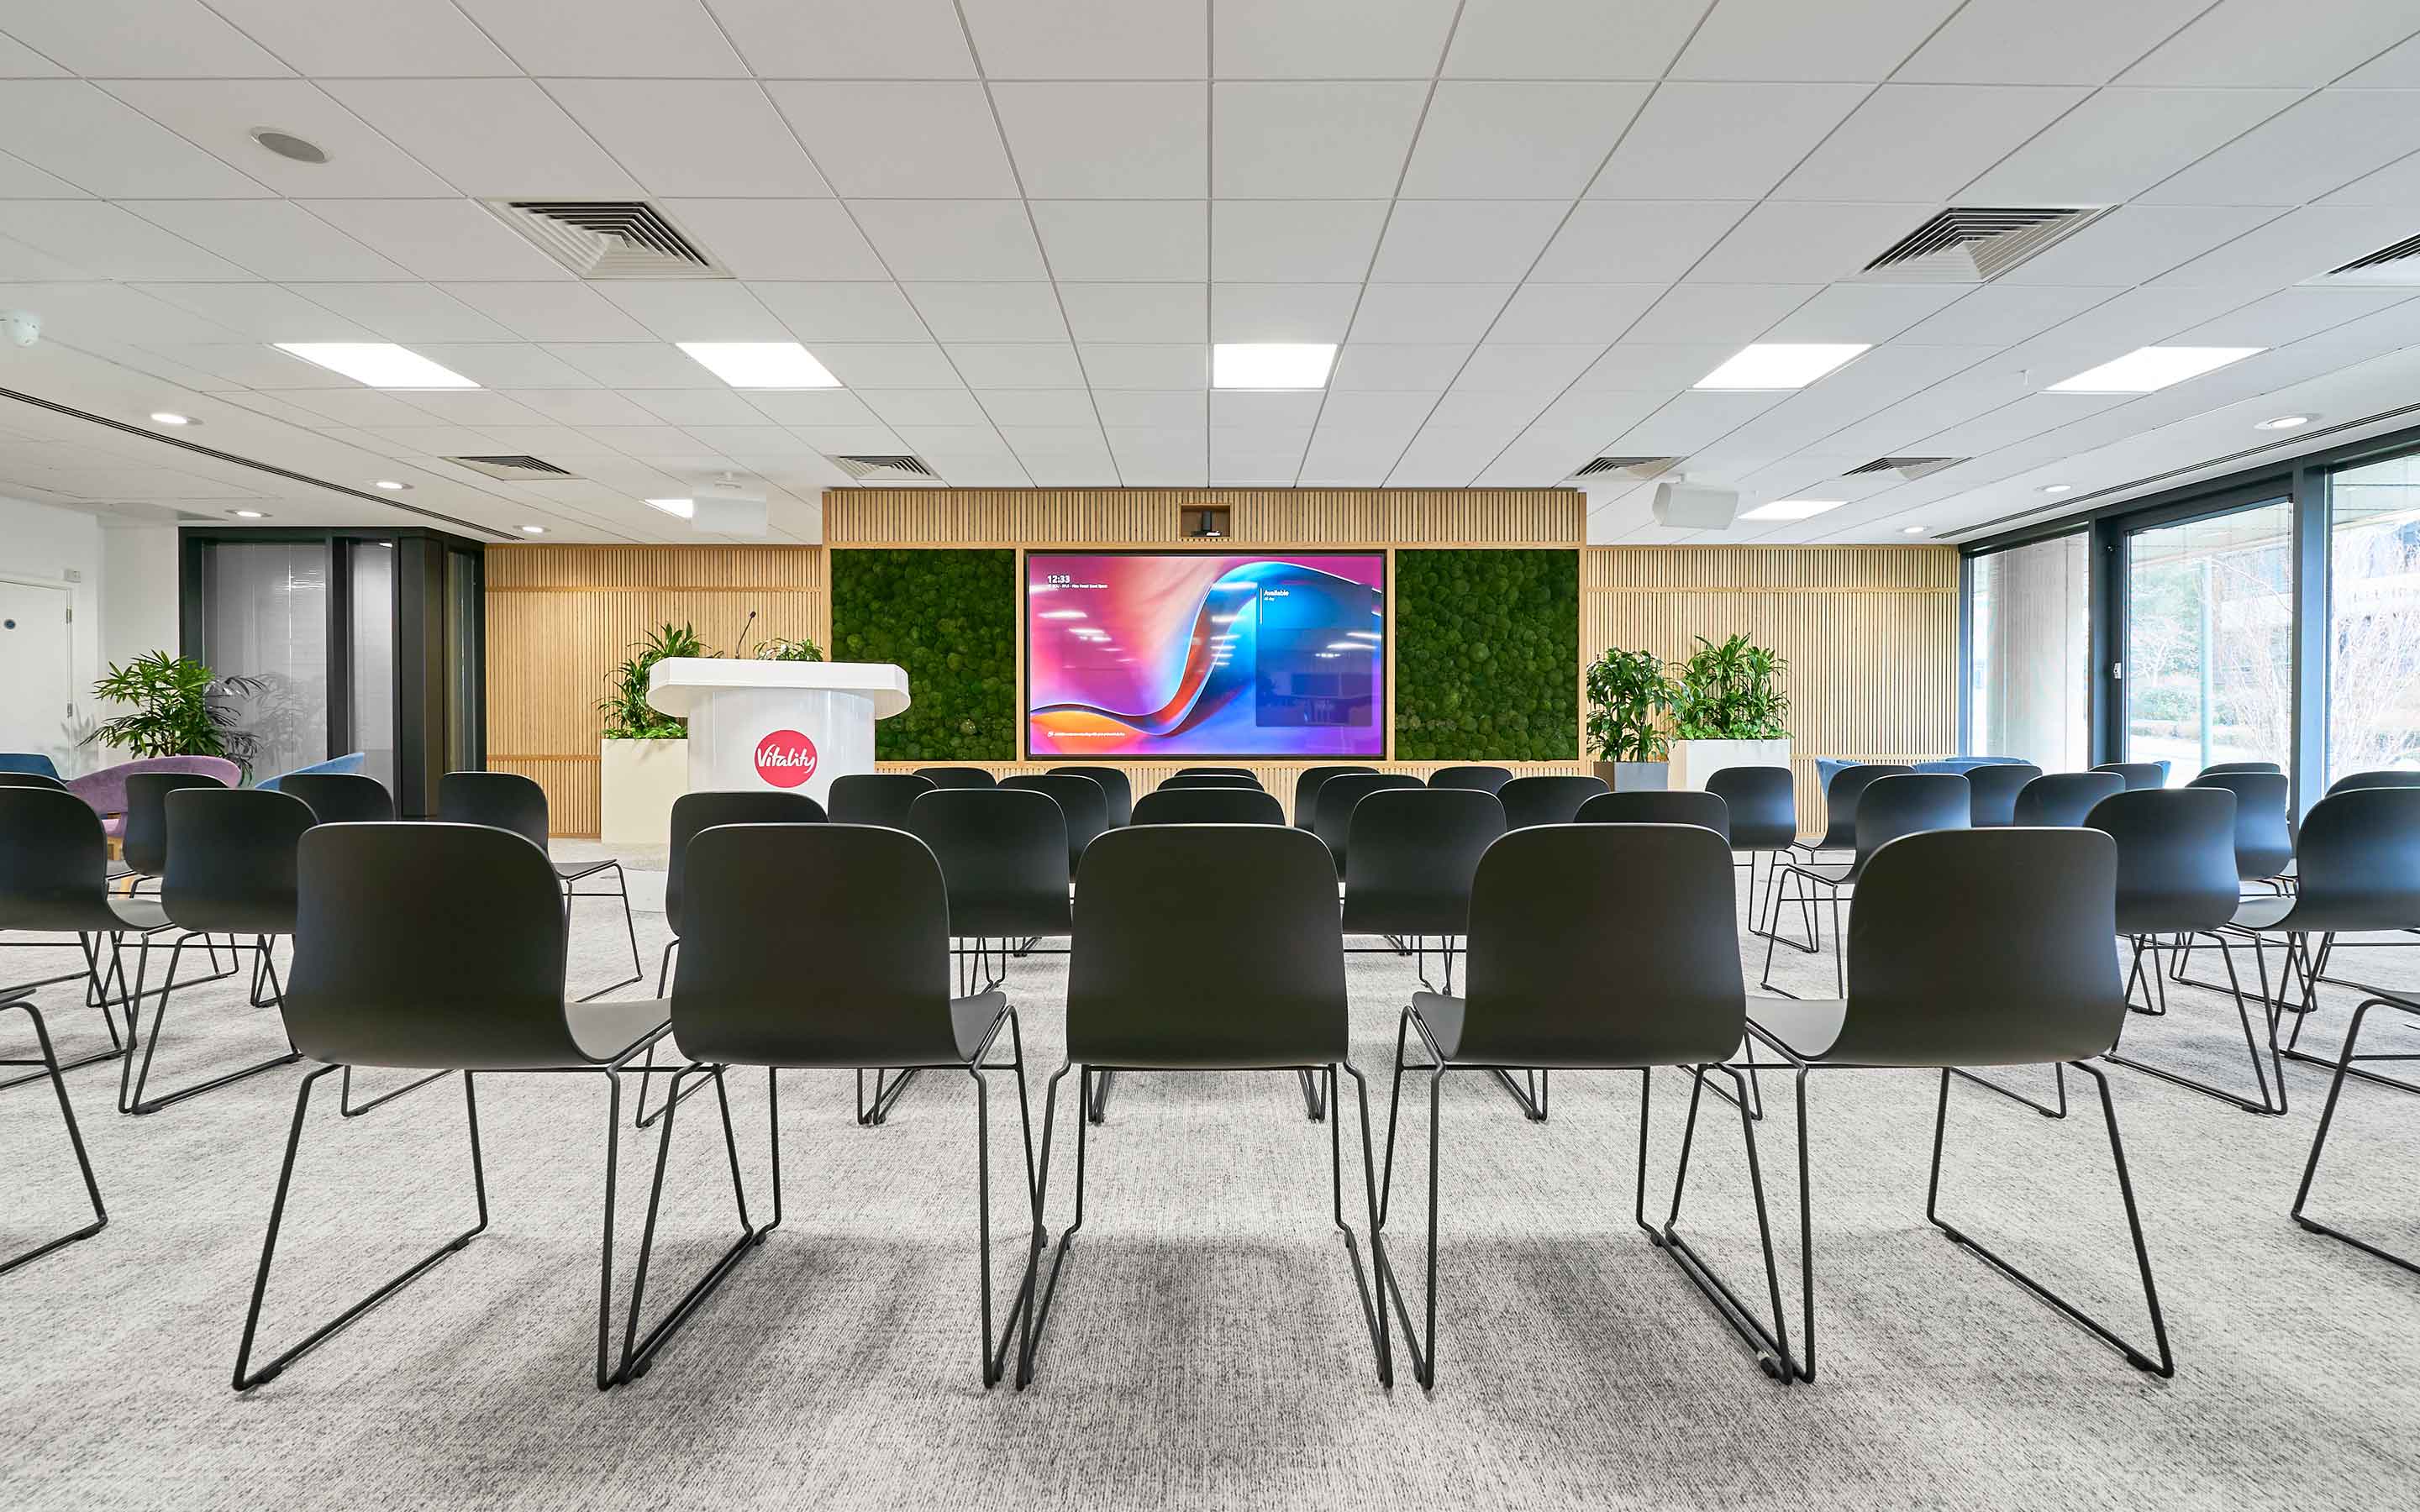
105,790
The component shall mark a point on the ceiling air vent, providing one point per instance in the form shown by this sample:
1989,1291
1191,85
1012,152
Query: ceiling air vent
1969,244
2396,265
1640,468
884,468
607,239
1909,468
513,468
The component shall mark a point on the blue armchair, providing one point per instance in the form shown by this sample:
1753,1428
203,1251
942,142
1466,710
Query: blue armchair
349,763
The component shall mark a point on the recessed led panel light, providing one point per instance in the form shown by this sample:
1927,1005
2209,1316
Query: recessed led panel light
1792,508
1270,365
1914,530
2058,487
2281,423
382,364
533,529
249,513
683,507
1779,364
389,485
2149,369
760,364
165,417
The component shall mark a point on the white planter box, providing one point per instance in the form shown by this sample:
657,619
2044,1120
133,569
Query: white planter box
1694,760
638,785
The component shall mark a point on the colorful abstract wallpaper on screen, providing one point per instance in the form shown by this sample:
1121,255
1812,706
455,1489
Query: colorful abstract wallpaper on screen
1149,655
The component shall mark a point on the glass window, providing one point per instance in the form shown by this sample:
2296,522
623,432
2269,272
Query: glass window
265,615
371,564
2029,691
2374,617
2209,649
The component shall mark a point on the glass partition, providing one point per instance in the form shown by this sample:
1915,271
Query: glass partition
2374,617
2029,690
265,616
2209,658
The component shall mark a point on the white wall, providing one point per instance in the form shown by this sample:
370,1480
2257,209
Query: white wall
39,544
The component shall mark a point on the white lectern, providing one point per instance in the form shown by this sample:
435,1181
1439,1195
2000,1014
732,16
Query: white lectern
792,725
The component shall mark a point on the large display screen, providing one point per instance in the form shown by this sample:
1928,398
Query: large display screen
1148,656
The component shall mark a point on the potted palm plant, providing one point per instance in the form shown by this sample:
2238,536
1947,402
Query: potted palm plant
1628,694
1728,710
178,708
643,752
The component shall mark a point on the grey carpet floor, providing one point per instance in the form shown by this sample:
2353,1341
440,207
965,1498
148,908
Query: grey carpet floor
1207,1349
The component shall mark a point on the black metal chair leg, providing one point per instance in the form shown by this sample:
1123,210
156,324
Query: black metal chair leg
638,1354
351,1109
1531,1098
1420,1342
2058,1081
50,1060
2327,1122
885,1095
133,1080
2165,1366
1771,1345
1373,1307
96,994
2268,1105
1037,1312
622,890
1096,1107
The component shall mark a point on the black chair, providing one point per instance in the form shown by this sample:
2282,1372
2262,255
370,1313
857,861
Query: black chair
1209,779
2355,781
877,797
374,902
1902,803
1082,801
2264,831
2177,881
2231,768
29,780
957,776
1841,796
1307,784
1556,914
1485,778
2061,800
1410,853
144,842
1004,859
2138,775
1545,800
1670,806
1994,790
231,871
1208,806
341,797
2020,920
1333,823
870,907
49,1061
1761,804
1115,785
1148,898
507,800
1218,771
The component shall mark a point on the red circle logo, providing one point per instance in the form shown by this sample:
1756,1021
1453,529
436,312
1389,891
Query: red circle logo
785,758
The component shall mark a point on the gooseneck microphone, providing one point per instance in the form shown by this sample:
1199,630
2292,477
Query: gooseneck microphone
741,650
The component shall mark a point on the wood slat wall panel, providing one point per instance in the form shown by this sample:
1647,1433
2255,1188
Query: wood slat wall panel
1869,632
1153,517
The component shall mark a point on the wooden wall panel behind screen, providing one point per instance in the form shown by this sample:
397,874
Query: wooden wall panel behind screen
1153,517
1870,634
560,617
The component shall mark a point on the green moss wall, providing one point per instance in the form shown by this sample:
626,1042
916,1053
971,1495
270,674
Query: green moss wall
949,617
1487,655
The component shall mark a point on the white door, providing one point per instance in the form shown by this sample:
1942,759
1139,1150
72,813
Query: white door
37,693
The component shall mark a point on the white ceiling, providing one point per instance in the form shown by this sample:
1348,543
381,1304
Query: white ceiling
1013,228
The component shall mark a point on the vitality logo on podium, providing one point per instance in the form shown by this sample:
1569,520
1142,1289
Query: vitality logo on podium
785,758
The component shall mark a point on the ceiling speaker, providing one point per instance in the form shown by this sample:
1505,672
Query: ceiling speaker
1682,505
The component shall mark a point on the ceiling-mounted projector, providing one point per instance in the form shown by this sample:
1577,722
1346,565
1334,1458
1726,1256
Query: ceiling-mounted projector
1682,505
728,509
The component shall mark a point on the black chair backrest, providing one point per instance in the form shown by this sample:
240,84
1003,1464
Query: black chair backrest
1841,798
1206,945
1167,805
143,842
865,903
2138,775
2229,768
1333,823
1217,771
1560,915
1992,790
695,812
1410,853
342,798
1762,803
1084,803
1485,778
2060,801
1211,779
1545,800
31,780
2021,918
957,776
501,800
427,945
2264,835
2355,781
2357,863
875,797
52,857
1004,859
2176,857
1115,786
1909,803
1672,806
231,859
1305,790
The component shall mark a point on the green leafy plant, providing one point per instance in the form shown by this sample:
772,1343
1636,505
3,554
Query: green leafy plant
949,617
1627,692
628,716
786,649
1731,690
1487,654
180,709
